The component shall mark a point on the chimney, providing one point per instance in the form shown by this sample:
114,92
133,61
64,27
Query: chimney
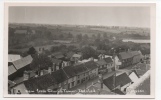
41,72
92,59
101,81
49,70
62,64
54,67
26,75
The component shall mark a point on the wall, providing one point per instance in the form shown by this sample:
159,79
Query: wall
125,86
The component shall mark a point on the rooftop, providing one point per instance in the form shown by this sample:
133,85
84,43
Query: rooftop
13,57
121,80
101,62
22,62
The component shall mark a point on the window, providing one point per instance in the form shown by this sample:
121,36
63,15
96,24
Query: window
78,81
72,78
72,83
78,76
100,66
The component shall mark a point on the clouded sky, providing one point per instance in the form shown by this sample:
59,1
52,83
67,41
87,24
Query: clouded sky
110,16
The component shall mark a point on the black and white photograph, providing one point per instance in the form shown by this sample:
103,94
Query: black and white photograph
80,50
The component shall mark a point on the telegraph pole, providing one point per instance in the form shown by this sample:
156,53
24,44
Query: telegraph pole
114,77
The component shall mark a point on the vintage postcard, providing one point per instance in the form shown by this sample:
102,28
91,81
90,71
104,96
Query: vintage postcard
79,50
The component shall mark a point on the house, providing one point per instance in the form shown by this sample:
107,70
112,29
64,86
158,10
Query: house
137,56
72,78
18,64
141,68
22,64
121,82
92,68
81,73
13,57
44,84
58,55
76,58
126,59
102,66
101,56
18,83
37,85
129,58
69,55
61,78
57,64
11,72
110,64
117,62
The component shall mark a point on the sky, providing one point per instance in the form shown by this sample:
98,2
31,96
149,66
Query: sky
106,16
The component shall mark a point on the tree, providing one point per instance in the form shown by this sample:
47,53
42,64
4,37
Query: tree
71,48
40,61
31,51
61,36
85,37
105,35
93,36
79,37
70,35
98,36
88,52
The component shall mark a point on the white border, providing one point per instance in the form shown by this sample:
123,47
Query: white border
83,4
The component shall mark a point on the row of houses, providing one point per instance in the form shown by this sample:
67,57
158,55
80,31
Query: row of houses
65,78
126,59
116,84
68,71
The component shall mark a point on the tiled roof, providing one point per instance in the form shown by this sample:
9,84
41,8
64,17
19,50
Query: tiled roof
59,75
125,55
101,62
118,91
42,82
101,51
141,68
13,57
57,54
70,54
11,69
22,62
90,65
80,68
121,80
56,61
77,55
69,71
128,54
108,60
134,53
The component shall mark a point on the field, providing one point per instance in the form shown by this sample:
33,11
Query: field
47,34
